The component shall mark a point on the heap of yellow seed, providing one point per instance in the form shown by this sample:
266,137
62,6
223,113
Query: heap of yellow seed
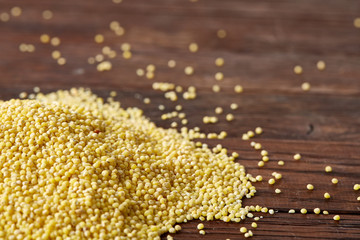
75,167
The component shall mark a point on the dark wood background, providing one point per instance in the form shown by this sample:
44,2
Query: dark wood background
265,40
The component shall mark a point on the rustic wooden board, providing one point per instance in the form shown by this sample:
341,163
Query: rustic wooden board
265,40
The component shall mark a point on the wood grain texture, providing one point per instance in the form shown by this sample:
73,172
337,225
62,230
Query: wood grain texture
265,40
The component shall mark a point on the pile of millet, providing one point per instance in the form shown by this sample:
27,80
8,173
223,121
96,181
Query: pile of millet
75,167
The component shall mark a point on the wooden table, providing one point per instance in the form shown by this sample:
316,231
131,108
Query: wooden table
265,40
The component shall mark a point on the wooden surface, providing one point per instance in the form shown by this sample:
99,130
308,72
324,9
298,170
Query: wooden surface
265,40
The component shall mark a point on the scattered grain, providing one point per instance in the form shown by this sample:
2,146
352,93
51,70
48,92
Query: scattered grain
219,76
61,61
334,181
305,86
181,115
171,63
36,89
216,88
189,70
193,47
257,146
15,11
264,210
250,134
234,106
31,48
113,94
218,110
200,226
278,176
147,100
177,228
243,229
245,137
150,68
178,107
321,65
47,14
161,107
171,95
127,47
163,86
106,50
120,31
55,41
140,72
127,54
357,22
99,38
44,38
310,187
4,17
99,57
327,195
178,89
238,89
114,25
317,210
23,47
328,169
104,66
219,62
271,181
221,33
91,60
23,95
55,54
298,69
